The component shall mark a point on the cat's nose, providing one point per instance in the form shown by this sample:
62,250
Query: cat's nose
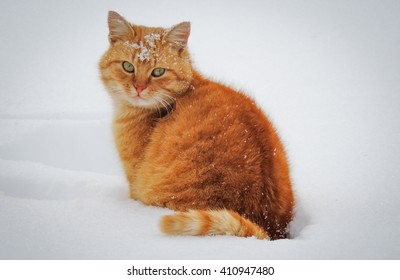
139,88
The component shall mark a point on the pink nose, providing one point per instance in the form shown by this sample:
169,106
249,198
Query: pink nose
139,89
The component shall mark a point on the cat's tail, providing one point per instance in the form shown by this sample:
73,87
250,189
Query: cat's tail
211,222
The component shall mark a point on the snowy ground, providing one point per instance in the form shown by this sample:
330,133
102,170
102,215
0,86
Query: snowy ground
327,73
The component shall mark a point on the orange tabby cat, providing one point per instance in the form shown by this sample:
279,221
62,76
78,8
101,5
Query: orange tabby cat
190,144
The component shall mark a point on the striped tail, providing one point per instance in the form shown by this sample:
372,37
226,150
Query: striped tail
211,222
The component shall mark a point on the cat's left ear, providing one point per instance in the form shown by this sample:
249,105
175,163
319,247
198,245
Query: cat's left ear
120,29
178,34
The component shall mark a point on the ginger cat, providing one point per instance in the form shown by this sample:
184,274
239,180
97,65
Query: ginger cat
190,144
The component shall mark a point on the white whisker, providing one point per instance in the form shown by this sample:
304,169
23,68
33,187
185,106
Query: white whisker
166,95
157,105
165,104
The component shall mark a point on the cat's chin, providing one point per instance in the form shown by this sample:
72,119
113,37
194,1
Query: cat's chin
140,102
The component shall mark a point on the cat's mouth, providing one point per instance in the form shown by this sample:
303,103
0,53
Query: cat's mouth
140,100
136,99
156,100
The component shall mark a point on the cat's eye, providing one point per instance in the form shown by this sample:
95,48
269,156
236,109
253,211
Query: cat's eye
128,67
158,72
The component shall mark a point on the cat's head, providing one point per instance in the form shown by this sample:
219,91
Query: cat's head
146,67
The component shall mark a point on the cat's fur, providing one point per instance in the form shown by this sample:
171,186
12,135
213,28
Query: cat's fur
190,144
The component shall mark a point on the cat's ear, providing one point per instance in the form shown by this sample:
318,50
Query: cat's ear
119,28
179,34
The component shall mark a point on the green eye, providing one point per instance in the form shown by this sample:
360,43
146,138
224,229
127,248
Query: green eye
128,67
158,72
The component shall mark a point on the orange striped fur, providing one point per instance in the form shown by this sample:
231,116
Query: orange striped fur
211,222
190,144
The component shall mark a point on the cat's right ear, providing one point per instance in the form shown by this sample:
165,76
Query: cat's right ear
119,28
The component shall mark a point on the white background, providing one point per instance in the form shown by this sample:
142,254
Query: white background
326,72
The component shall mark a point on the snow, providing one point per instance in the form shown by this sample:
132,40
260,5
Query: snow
150,38
145,53
326,72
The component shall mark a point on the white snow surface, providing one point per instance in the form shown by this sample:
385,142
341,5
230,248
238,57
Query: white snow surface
326,72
